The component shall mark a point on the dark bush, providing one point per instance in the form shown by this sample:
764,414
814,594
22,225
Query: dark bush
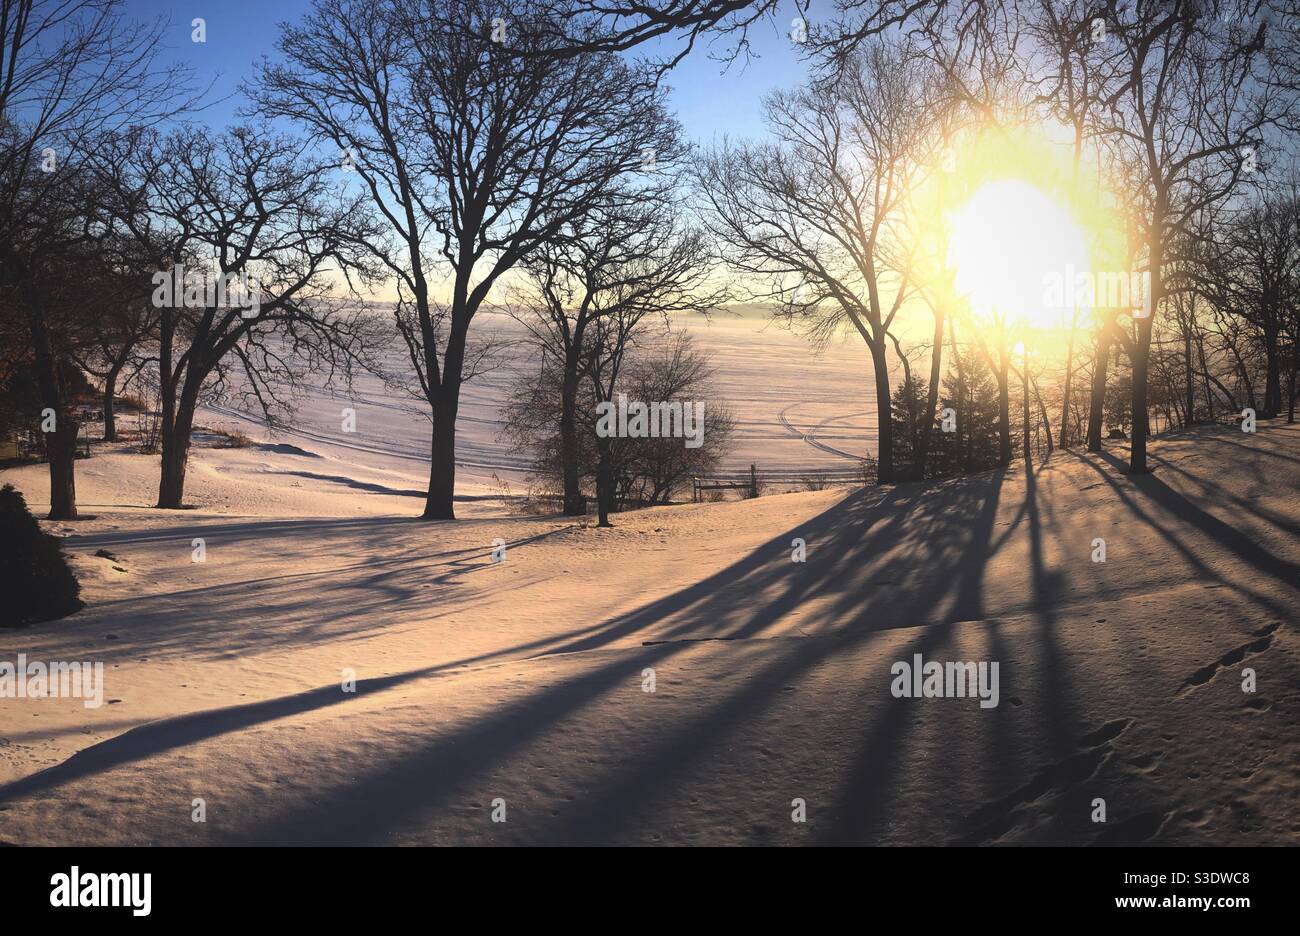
34,577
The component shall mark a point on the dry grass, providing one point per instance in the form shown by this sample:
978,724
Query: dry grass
228,439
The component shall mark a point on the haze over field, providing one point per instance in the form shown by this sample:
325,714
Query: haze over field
795,407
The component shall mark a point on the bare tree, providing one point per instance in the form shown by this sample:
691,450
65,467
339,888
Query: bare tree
1252,274
612,343
581,27
70,71
1063,82
631,257
121,321
813,219
474,153
651,470
1187,105
679,26
246,234
661,367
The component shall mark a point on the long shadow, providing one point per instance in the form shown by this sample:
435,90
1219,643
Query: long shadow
860,806
1046,595
390,797
877,560
850,569
1198,565
235,528
969,605
355,484
336,601
426,778
953,534
1272,518
1245,548
157,737
170,733
880,559
1220,439
707,597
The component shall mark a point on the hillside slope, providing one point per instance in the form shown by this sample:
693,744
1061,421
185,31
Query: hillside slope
520,684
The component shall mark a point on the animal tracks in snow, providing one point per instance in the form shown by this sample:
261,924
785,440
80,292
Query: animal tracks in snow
994,820
1262,641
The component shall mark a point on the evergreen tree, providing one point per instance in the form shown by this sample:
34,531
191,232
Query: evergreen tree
972,393
37,583
907,407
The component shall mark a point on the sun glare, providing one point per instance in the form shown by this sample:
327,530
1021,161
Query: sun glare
1007,242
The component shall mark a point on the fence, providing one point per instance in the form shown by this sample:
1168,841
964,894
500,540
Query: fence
30,444
749,482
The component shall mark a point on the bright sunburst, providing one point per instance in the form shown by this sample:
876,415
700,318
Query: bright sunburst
1006,241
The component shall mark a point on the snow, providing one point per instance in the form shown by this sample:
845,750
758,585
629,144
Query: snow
523,680
788,413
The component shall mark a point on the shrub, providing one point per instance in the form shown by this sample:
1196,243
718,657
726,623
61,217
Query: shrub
34,576
647,471
231,439
868,471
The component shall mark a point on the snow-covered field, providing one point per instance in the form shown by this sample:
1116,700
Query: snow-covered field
794,407
519,687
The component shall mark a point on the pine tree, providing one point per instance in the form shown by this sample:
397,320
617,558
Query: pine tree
972,394
906,409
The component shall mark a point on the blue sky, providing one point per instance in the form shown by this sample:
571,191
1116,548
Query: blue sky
708,101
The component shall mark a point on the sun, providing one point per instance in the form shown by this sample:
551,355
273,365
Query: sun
1007,243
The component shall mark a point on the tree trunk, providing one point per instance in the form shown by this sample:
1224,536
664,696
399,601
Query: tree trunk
440,500
1295,370
439,503
1025,415
176,452
604,485
1042,412
1189,390
61,444
1272,375
1097,402
1205,375
575,505
168,490
1246,381
1137,463
931,398
963,448
1069,378
904,472
110,399
1004,409
885,432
